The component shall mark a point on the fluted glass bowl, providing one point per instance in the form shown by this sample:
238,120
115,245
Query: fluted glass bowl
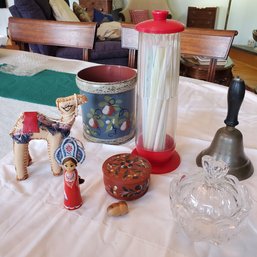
209,205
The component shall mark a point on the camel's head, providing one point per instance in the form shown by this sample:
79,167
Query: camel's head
69,105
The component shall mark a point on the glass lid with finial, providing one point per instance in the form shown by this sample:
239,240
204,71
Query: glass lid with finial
210,204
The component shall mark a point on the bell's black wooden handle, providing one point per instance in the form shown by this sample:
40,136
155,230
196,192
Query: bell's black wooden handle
236,93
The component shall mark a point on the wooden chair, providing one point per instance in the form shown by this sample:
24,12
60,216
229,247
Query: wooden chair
53,33
129,40
214,44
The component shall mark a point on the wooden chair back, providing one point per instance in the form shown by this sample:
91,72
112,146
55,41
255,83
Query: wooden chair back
53,33
129,40
214,44
201,17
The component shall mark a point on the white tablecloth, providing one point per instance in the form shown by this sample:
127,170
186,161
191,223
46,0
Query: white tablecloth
33,221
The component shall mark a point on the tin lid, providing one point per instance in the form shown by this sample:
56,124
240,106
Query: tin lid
160,24
127,168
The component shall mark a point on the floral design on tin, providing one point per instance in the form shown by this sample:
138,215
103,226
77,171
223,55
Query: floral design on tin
110,115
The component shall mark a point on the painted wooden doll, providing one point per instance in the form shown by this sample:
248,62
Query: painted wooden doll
68,155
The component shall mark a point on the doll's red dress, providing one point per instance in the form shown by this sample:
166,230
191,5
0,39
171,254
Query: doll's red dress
72,196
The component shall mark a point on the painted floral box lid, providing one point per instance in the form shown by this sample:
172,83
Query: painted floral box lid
126,176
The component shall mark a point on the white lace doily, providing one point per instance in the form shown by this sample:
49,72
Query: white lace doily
25,64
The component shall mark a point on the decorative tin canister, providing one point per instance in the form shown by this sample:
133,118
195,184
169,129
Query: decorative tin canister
126,176
109,115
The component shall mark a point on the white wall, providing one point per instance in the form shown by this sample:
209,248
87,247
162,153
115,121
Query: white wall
71,2
242,18
4,14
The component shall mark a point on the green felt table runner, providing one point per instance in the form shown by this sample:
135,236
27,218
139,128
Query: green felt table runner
42,88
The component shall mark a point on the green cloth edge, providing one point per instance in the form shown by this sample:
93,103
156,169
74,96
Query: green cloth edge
42,88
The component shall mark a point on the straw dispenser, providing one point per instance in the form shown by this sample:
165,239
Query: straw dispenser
158,77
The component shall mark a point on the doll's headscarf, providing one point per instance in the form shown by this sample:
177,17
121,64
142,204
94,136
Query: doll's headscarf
70,148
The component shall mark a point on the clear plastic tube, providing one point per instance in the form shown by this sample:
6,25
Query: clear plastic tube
158,76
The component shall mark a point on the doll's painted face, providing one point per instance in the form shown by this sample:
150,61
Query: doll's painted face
69,165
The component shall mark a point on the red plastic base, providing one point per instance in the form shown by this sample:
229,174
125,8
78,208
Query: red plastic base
163,166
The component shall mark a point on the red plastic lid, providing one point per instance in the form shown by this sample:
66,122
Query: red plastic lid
160,24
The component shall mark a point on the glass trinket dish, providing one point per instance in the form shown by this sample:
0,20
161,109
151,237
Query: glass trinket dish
210,205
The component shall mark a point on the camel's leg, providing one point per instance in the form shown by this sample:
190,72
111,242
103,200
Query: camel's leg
21,160
54,141
29,159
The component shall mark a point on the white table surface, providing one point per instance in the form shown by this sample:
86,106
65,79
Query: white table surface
33,221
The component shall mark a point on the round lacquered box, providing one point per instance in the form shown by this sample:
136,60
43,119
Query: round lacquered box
126,176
